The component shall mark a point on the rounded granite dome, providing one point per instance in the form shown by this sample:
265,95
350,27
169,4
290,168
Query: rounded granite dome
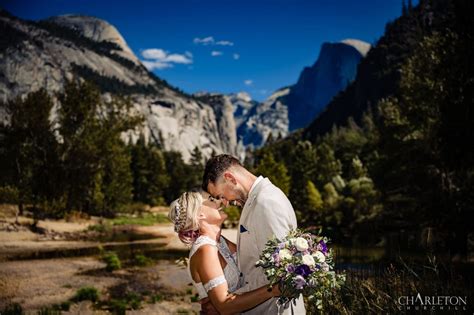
361,46
95,29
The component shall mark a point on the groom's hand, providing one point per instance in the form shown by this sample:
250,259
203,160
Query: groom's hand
207,308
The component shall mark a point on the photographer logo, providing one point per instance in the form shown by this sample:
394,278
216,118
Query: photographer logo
432,303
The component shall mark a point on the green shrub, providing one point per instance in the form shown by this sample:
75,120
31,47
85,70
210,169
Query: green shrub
146,219
134,300
112,261
142,260
86,294
118,307
156,298
135,208
101,228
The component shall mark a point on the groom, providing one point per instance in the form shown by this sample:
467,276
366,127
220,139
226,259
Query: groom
266,212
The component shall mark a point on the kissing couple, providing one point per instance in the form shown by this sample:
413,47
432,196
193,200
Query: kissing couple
223,273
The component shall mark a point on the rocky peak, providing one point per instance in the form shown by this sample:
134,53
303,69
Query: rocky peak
361,46
334,69
97,30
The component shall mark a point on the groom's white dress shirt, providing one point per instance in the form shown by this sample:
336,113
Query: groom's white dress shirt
267,212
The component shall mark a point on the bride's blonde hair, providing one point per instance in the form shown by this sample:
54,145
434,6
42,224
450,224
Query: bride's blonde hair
184,213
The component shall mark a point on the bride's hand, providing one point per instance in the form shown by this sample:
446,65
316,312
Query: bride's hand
275,290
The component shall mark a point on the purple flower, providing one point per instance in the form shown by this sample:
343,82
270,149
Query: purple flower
281,245
290,268
322,247
303,270
300,282
276,259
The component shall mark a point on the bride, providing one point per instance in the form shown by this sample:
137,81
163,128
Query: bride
212,258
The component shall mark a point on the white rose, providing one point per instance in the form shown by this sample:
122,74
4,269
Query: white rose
301,244
325,267
308,260
284,254
319,257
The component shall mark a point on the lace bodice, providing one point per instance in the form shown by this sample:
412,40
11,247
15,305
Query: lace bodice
232,274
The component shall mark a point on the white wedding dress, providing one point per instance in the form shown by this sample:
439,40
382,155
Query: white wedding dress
232,274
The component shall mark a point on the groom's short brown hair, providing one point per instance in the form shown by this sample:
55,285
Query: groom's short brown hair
216,166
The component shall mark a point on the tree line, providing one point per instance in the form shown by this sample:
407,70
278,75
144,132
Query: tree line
78,161
407,163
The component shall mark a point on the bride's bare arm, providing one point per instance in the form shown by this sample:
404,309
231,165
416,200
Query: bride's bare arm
206,262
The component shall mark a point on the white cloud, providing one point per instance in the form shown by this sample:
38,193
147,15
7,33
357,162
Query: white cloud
216,53
161,59
152,65
248,82
154,53
204,41
176,58
263,92
225,43
211,41
236,56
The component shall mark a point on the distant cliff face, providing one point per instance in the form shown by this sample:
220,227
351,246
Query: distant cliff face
224,112
296,106
254,121
45,54
335,68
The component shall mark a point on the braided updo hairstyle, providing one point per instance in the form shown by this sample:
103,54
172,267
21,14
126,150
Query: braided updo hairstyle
184,213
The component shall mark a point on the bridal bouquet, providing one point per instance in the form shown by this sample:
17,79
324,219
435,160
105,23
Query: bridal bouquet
301,263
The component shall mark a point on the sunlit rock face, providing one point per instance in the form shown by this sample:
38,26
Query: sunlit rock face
46,54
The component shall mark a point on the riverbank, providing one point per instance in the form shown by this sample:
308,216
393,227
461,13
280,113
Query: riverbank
45,267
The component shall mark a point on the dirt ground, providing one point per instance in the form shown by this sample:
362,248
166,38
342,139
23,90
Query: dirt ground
38,283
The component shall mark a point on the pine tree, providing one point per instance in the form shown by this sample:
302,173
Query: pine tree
80,129
303,168
150,177
197,167
270,139
328,166
31,149
158,178
95,160
315,201
140,172
275,171
178,172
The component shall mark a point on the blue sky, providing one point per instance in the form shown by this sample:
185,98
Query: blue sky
227,46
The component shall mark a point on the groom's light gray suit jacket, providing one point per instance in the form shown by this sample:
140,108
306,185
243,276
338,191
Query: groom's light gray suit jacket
267,212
